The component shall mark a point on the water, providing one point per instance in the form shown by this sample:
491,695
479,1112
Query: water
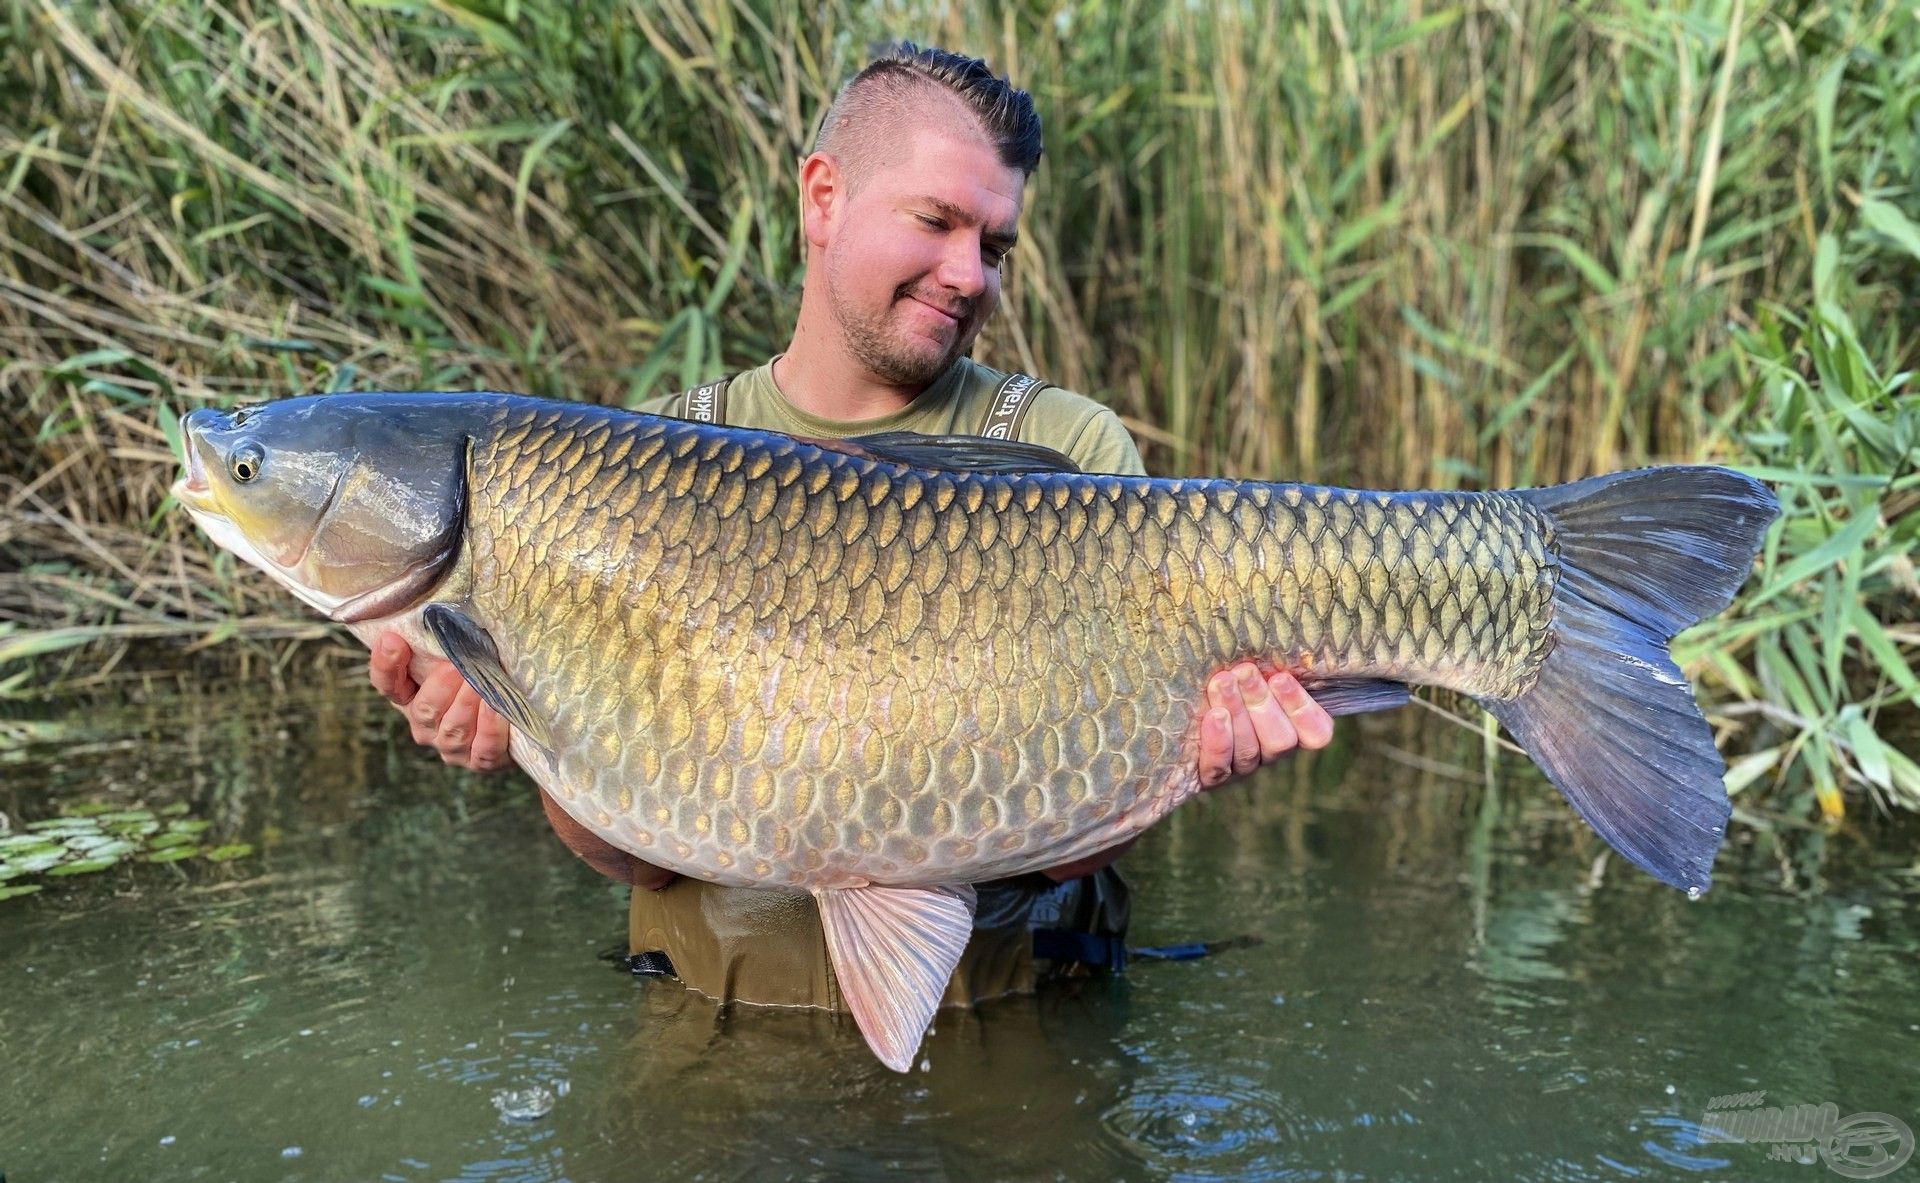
1446,986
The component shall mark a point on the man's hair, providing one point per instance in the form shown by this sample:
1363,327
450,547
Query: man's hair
861,127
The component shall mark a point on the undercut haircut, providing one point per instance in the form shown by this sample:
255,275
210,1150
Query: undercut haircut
905,83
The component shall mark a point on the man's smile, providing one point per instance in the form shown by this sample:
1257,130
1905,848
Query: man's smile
943,314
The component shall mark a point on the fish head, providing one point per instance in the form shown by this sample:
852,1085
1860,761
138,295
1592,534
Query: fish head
354,503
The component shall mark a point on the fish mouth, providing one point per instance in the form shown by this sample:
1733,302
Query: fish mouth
194,490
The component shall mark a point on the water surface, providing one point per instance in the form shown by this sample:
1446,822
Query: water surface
1449,983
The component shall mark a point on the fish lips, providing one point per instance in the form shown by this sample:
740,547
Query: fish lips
193,490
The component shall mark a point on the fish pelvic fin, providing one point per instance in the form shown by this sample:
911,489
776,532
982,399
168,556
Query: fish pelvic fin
1610,719
471,650
893,950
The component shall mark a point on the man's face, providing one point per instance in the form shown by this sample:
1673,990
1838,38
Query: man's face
913,256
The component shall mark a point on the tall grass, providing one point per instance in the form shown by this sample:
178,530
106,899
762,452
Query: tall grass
1387,245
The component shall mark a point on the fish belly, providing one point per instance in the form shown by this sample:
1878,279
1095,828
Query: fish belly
772,665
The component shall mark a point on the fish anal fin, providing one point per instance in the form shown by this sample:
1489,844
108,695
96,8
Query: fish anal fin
1355,696
472,652
893,950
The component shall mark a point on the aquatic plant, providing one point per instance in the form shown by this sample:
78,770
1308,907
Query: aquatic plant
85,839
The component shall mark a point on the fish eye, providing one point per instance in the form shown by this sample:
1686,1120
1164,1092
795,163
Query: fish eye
245,464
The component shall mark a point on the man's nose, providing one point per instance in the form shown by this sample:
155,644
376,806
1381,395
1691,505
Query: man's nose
961,268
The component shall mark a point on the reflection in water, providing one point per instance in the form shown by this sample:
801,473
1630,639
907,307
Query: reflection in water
1447,983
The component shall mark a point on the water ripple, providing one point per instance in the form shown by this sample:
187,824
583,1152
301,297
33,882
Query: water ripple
1206,1127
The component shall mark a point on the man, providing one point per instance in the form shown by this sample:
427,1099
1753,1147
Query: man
909,204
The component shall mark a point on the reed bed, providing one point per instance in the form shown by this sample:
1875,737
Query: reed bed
1387,245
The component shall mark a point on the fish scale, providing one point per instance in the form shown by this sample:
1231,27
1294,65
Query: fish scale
949,676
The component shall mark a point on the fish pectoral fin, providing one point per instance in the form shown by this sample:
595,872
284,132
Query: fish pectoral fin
954,453
472,652
1355,696
893,949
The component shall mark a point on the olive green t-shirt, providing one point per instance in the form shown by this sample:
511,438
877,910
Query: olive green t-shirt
955,404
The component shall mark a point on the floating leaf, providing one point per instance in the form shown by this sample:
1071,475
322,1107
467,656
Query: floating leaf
172,854
7,893
64,825
83,867
231,850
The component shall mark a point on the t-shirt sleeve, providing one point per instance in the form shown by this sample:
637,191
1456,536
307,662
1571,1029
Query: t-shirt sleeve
660,404
1089,433
1104,445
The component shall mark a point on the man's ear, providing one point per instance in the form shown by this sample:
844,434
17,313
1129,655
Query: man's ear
823,191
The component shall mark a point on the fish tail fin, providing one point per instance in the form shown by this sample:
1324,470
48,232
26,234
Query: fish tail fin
1611,719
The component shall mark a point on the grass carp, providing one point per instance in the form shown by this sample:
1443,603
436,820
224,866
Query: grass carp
882,669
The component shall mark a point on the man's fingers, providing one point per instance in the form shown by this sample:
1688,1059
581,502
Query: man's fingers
491,736
1216,747
455,735
1224,691
436,694
1311,723
387,669
1273,730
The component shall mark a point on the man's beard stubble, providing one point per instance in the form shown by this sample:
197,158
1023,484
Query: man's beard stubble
877,346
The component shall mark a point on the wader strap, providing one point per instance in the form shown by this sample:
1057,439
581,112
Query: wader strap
1054,944
705,404
1009,406
651,964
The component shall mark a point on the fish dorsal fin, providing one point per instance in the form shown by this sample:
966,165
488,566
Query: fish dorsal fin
953,453
893,949
472,652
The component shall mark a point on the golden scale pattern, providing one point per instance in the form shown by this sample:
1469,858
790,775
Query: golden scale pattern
768,663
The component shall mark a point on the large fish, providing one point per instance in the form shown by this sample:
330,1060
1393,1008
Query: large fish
883,669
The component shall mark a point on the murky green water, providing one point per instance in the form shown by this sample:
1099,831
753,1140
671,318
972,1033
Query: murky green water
1445,988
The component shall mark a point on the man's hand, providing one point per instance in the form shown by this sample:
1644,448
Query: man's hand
601,855
444,712
1250,722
